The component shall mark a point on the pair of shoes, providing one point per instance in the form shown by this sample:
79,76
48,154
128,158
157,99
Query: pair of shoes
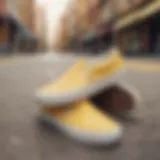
83,80
65,101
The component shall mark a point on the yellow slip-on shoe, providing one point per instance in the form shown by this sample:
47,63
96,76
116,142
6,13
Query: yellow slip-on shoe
66,88
83,80
83,122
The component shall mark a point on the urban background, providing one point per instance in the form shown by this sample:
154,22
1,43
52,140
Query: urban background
80,25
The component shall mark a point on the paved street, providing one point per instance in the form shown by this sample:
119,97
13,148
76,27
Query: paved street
23,137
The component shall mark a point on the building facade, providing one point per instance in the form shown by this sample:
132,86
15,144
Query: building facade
26,13
41,26
138,31
3,7
4,34
134,25
17,25
13,7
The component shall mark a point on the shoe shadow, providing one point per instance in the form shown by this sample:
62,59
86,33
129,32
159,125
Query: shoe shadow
50,129
111,147
46,126
127,118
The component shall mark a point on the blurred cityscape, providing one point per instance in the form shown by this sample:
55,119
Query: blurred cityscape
32,29
80,25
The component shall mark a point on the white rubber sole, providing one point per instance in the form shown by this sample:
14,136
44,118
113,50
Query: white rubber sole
90,138
137,98
83,93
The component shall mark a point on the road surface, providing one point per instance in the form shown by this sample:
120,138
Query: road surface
23,137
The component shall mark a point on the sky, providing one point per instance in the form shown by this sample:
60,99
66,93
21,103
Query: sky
54,9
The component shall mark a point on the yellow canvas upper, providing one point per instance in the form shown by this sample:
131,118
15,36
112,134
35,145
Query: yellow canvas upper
72,79
84,116
80,75
106,67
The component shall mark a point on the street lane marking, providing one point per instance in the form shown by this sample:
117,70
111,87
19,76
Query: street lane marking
144,66
135,65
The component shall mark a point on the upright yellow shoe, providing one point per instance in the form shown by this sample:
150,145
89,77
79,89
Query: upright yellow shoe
83,122
66,88
83,80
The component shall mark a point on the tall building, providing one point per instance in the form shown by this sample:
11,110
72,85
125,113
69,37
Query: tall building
17,27
41,25
12,6
26,13
134,25
4,34
138,30
3,7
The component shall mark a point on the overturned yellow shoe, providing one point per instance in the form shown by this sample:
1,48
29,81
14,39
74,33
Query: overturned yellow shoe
83,122
83,80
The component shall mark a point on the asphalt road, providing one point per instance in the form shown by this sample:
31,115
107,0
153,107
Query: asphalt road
23,137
